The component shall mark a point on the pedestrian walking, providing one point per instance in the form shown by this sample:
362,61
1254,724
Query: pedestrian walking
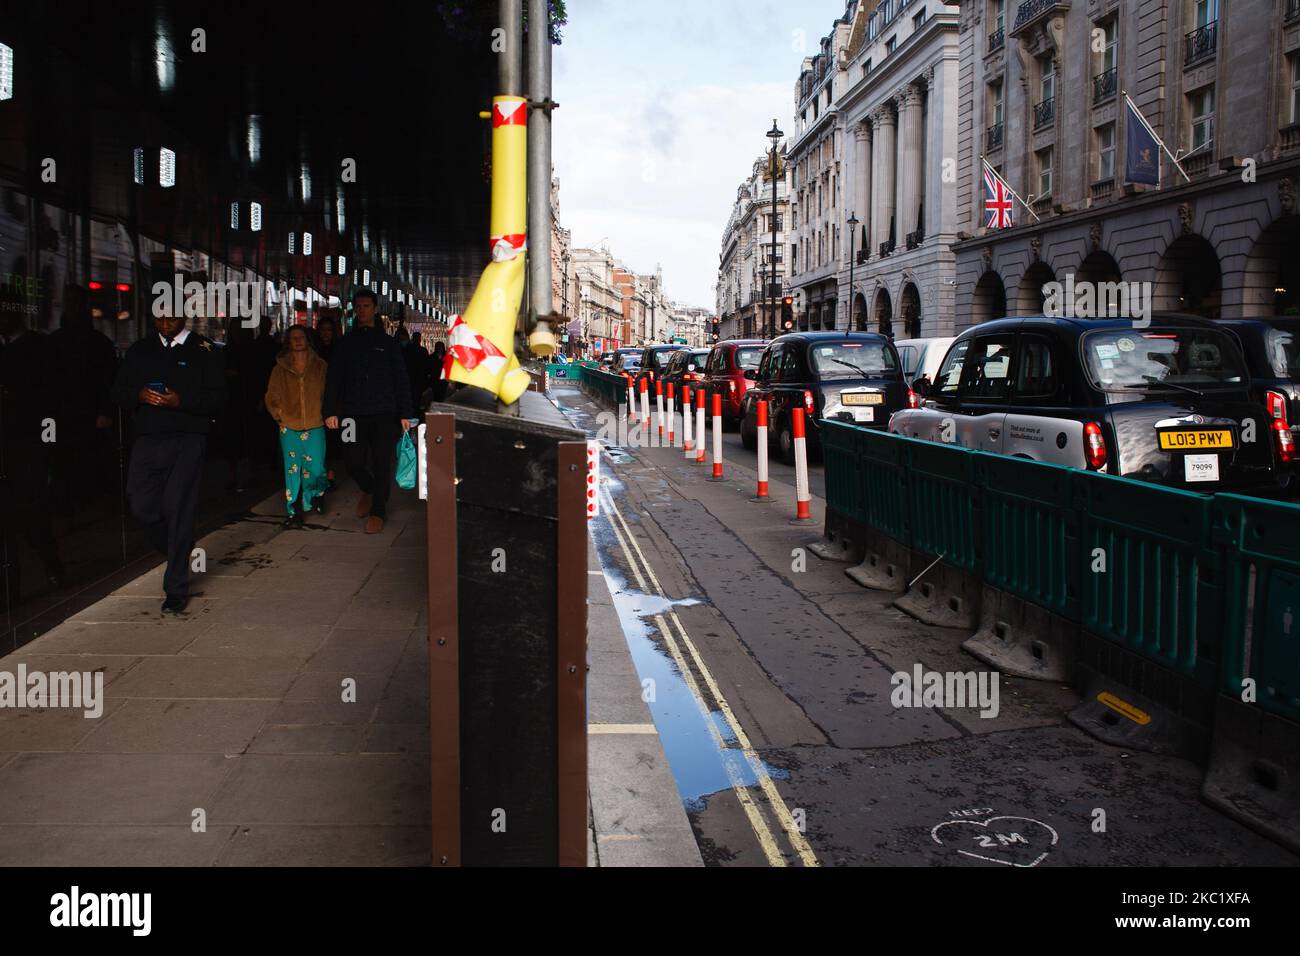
367,390
417,369
437,372
173,383
293,397
28,390
327,333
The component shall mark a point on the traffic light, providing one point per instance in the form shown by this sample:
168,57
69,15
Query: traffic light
787,313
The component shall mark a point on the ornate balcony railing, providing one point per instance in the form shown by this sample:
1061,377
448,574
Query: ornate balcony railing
998,40
1290,136
993,137
1103,189
1044,113
1031,10
862,256
1104,86
887,247
1201,163
1201,43
914,239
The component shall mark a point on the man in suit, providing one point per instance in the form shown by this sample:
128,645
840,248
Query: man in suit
172,382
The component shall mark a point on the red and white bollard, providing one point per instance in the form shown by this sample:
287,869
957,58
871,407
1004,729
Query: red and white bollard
699,426
801,495
645,412
686,422
717,438
672,418
659,406
631,402
762,451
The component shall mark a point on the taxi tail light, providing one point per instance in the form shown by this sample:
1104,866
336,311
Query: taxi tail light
1285,441
1276,406
1094,446
913,400
808,403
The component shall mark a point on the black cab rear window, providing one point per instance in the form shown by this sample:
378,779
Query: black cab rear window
1156,358
852,359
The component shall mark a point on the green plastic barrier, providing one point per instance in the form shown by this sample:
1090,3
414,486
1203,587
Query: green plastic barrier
884,492
1029,531
841,454
1261,634
943,501
1156,595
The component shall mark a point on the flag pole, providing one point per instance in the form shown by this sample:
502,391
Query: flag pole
1009,189
1143,120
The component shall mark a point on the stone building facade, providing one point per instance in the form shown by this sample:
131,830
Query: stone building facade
1041,93
875,118
745,265
899,114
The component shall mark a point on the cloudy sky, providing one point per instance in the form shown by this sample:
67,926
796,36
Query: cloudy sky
663,107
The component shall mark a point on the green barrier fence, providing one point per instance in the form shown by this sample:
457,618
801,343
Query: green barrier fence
1156,594
1261,634
1207,586
1029,531
942,501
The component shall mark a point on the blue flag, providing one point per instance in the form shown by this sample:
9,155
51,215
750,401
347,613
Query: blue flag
1142,150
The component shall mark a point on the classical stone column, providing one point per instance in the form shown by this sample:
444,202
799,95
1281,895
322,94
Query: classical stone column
861,204
882,184
909,161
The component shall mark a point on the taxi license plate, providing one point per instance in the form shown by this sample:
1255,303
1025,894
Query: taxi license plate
861,398
1196,439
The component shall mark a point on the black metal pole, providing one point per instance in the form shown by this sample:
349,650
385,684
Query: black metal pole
772,307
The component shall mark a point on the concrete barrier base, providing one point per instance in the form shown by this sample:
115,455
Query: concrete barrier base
1254,770
840,541
879,570
1114,711
945,597
1022,639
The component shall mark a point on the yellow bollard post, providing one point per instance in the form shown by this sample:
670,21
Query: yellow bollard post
480,344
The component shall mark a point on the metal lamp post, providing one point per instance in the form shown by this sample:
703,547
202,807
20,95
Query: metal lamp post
853,233
774,134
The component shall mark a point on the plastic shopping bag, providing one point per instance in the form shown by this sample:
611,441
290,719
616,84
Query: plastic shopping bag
406,463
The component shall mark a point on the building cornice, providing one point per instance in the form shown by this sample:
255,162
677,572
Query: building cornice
907,62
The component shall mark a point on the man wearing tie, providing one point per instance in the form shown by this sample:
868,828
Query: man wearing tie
173,383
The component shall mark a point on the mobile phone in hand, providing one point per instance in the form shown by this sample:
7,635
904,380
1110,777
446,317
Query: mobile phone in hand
158,387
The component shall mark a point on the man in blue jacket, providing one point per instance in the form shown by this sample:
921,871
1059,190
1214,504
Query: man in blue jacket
367,383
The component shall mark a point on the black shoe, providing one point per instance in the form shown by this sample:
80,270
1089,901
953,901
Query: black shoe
175,604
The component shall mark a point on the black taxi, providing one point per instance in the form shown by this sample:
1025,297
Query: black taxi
1166,401
846,376
1272,350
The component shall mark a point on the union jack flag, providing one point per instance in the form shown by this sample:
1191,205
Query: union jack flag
998,203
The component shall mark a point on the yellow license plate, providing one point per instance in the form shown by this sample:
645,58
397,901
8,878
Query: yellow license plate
1196,439
862,398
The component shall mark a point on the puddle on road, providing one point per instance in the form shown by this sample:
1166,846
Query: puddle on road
700,746
703,762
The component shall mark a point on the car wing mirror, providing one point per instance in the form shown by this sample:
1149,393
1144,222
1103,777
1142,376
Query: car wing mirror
751,374
921,386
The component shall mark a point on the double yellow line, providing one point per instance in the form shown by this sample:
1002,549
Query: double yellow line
753,812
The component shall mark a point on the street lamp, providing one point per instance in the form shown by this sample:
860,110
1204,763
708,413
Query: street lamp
853,232
774,134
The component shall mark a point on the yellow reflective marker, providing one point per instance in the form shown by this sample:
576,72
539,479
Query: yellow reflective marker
1139,717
